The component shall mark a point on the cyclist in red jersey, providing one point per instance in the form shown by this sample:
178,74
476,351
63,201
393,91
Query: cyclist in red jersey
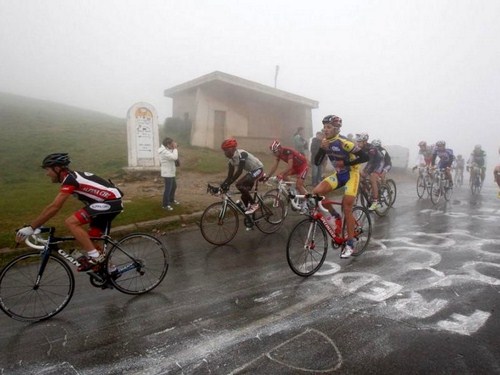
296,164
103,202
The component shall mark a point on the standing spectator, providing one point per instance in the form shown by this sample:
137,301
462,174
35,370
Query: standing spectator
317,170
169,160
299,142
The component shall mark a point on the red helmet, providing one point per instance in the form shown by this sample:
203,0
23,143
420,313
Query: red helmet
229,143
275,146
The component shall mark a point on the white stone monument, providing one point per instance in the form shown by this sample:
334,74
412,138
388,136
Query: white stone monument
143,137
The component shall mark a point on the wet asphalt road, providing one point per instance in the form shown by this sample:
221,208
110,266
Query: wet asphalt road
424,299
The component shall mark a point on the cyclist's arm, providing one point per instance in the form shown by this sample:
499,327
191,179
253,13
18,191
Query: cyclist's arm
274,167
361,157
51,210
229,179
320,155
238,172
433,160
290,167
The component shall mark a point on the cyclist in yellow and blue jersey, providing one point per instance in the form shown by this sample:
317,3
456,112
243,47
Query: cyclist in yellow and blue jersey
345,157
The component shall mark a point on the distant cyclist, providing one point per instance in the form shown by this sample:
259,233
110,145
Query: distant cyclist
477,158
446,158
296,164
424,156
374,167
345,156
459,165
103,202
387,157
239,161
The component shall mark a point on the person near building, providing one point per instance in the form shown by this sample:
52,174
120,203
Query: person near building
169,159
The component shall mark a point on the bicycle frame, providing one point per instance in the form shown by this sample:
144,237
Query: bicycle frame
229,201
317,214
50,244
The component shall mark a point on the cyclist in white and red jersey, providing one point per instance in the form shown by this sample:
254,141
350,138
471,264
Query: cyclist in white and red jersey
103,202
239,161
296,164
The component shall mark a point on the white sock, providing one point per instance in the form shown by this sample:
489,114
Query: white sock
93,253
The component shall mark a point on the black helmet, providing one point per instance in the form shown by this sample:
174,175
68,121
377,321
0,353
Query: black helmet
60,159
332,119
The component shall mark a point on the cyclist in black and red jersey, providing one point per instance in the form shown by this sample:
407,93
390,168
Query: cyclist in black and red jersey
296,164
103,202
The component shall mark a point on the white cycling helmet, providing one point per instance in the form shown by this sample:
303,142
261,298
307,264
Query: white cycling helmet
362,137
376,143
275,146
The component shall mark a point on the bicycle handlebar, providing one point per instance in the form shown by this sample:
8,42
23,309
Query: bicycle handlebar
36,241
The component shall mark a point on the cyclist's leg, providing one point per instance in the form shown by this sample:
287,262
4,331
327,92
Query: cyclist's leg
75,225
348,203
245,185
301,177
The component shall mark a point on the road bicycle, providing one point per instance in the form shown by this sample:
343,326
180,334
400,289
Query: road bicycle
38,285
307,243
440,186
475,183
424,181
385,197
219,222
286,192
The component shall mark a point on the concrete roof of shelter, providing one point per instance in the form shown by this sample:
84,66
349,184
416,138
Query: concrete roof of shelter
241,83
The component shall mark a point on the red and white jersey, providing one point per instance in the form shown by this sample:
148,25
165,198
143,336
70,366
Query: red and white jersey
89,188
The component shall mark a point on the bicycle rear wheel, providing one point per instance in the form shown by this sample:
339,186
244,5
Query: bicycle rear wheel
362,229
141,263
270,214
391,185
219,226
306,247
22,299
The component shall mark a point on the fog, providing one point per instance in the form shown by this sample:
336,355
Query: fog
403,71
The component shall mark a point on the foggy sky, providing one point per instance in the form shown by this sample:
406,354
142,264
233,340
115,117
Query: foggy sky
403,71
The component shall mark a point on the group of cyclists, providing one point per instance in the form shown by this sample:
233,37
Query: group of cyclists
428,155
344,154
103,200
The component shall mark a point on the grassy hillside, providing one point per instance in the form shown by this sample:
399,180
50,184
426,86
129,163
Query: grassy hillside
31,129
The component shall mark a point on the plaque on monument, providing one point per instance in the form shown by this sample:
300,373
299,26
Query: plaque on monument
142,136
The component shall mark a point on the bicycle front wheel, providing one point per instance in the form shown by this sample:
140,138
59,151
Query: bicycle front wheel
141,263
285,201
270,214
20,296
436,190
384,199
421,186
448,190
306,247
391,185
218,225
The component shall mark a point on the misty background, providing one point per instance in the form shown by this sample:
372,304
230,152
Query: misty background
401,70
